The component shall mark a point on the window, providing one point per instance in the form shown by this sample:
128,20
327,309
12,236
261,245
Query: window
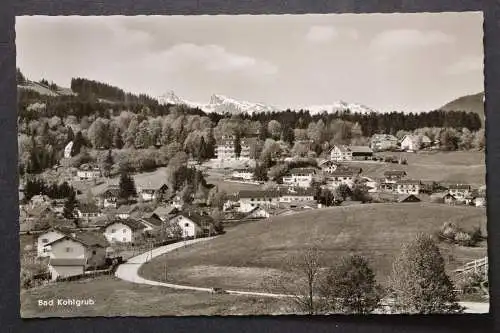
69,249
124,230
45,240
94,252
113,231
186,225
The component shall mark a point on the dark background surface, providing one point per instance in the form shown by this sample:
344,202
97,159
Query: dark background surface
9,246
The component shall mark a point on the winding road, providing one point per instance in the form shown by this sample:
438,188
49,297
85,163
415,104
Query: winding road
129,271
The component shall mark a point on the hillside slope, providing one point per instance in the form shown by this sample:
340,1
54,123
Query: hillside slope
244,256
470,103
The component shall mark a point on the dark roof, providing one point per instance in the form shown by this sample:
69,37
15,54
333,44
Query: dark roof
164,210
460,187
296,171
88,208
67,262
297,192
409,198
361,149
343,173
131,223
153,220
409,182
394,173
258,194
200,220
86,238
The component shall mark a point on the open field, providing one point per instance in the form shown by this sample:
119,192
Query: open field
458,167
114,297
245,255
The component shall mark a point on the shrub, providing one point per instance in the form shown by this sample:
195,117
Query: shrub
476,235
449,230
470,282
463,238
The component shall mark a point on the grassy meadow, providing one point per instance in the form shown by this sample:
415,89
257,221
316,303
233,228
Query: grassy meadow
247,254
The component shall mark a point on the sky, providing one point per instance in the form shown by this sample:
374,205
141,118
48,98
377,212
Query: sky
389,62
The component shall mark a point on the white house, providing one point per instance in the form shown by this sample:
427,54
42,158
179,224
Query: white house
225,148
87,211
72,254
479,201
67,150
460,191
415,142
408,186
392,176
244,174
151,192
249,199
299,177
193,224
39,199
88,172
123,231
349,153
346,177
46,238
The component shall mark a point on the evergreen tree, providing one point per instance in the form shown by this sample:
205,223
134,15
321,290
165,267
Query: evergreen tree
78,143
419,283
127,186
260,172
107,164
117,138
69,206
237,145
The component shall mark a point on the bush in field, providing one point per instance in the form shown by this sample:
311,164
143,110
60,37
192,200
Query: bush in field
470,282
463,238
449,230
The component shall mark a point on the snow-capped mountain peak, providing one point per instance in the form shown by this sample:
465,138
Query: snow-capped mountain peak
223,104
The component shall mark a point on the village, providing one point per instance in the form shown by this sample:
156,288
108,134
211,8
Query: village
111,230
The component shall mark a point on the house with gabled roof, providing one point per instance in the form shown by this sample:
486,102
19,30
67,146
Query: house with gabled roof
152,192
348,153
193,224
87,211
341,176
381,142
393,176
109,197
460,191
72,254
408,186
124,230
88,172
328,166
164,213
249,199
299,177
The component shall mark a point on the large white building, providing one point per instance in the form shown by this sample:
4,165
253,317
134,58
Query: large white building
299,177
415,142
381,142
408,186
248,200
225,149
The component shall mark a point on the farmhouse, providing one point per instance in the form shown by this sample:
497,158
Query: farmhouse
381,142
67,150
349,153
88,172
408,186
394,176
164,213
244,174
124,231
415,142
449,199
109,197
479,201
409,198
150,193
460,191
299,177
124,211
248,200
72,254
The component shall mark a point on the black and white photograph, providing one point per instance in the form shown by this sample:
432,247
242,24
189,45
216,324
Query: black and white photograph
235,165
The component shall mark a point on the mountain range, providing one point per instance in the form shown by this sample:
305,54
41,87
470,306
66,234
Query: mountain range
223,104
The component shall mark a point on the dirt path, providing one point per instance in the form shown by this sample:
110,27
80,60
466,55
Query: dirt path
129,271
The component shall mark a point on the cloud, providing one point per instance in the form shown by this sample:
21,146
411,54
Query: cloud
326,33
321,34
466,65
211,58
404,38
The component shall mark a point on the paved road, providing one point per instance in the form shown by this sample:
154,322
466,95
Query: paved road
129,271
